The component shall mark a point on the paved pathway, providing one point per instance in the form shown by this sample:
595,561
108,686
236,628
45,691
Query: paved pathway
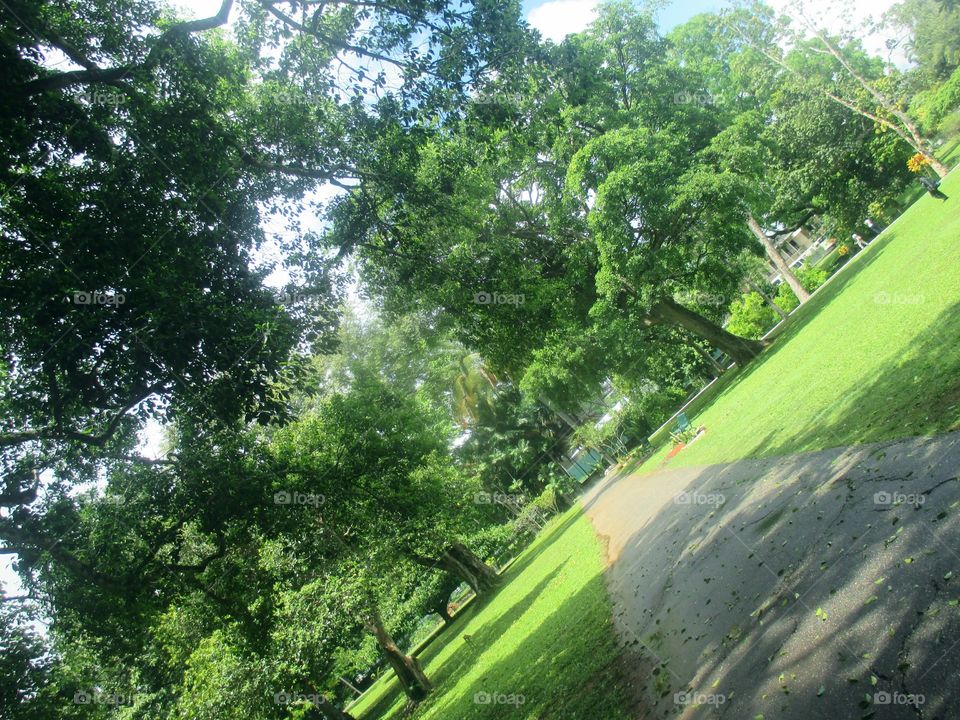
822,585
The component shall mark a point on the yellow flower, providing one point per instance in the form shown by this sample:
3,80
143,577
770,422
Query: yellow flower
917,162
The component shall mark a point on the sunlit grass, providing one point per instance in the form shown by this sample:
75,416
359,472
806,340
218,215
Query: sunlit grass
546,636
875,355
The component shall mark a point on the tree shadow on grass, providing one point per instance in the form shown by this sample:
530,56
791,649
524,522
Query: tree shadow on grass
565,668
460,661
917,395
914,395
488,634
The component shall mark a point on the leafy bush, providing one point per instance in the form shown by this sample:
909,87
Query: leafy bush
547,500
530,521
562,483
536,512
810,278
659,404
934,105
635,425
785,299
751,317
683,436
493,543
950,127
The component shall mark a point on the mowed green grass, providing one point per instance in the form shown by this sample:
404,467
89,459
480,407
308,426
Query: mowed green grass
546,636
874,355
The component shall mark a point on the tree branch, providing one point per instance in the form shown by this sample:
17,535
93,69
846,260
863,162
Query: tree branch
796,226
15,493
836,98
296,170
330,43
92,74
56,433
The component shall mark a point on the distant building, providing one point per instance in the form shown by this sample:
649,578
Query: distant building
794,248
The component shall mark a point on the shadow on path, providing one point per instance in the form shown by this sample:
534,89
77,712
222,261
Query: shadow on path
796,587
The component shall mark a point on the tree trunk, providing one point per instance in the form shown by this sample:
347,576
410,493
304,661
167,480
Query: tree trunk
350,685
767,299
938,167
668,311
778,261
443,612
714,366
464,563
412,679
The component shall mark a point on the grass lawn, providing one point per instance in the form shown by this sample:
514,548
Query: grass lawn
547,636
874,355
830,261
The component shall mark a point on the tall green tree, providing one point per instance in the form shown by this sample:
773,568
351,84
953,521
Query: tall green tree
849,77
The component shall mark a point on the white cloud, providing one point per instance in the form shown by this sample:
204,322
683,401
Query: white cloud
558,18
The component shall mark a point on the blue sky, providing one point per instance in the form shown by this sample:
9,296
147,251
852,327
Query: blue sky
555,18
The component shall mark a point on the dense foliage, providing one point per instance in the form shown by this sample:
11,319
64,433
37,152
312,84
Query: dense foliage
556,244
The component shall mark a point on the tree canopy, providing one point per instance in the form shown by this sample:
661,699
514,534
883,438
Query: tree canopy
376,270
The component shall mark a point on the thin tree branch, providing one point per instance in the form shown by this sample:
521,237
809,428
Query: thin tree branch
55,432
833,96
331,43
93,74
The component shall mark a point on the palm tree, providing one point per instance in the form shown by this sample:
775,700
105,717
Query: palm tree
474,390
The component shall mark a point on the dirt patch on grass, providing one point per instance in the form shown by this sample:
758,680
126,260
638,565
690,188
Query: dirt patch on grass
627,674
604,541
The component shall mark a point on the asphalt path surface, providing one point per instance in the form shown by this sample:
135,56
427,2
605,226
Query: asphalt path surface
821,585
